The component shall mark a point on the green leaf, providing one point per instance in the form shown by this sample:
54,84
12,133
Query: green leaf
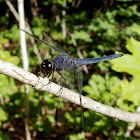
6,56
78,136
4,137
8,34
3,116
7,85
82,35
136,28
130,63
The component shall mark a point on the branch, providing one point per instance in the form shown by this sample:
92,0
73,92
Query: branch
13,10
42,84
25,65
63,19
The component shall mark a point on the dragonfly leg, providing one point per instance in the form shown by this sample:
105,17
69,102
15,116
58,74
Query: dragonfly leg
52,77
49,80
61,76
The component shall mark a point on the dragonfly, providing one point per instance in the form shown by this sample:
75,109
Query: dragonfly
64,62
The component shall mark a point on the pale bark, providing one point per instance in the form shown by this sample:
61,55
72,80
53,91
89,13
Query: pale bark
25,65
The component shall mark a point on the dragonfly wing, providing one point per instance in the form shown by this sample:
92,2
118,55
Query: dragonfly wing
79,77
66,80
53,43
59,50
87,61
71,75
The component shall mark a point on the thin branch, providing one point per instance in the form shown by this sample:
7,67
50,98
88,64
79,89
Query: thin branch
13,10
63,19
25,65
129,129
22,35
34,7
42,84
1,100
78,3
36,51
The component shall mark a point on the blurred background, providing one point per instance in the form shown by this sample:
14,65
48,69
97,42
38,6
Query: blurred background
85,29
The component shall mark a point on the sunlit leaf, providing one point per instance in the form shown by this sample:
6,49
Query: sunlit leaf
130,63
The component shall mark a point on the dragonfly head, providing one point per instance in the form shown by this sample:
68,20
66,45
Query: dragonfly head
47,67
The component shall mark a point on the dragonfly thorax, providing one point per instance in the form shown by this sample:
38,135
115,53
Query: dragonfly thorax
63,62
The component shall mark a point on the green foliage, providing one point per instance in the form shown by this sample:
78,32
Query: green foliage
130,64
82,35
6,56
79,136
108,88
99,31
9,33
74,118
3,116
4,137
7,85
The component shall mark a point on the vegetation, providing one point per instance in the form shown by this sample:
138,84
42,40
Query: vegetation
94,29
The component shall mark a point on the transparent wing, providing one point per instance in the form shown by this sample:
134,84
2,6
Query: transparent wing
79,77
63,81
56,48
53,43
71,75
59,114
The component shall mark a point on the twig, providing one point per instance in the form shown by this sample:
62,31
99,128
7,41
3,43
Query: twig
64,20
34,9
42,84
78,3
131,127
1,100
25,65
22,35
36,51
13,10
